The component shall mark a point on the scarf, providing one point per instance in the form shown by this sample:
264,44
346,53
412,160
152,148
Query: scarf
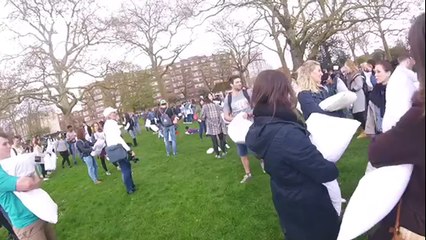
378,97
281,112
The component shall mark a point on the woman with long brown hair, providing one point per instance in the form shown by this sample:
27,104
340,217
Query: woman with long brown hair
99,135
85,148
210,113
404,144
297,169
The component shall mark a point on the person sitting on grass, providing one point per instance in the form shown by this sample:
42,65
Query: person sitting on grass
190,131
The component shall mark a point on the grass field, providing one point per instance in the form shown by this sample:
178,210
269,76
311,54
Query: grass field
190,196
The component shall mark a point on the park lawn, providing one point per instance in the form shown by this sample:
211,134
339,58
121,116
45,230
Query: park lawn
190,196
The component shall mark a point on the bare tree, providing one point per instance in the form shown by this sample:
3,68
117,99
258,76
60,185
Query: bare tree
57,38
307,24
217,71
151,28
239,39
384,14
357,37
275,32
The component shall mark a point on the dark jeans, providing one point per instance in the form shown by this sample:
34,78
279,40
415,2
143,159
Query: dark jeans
202,128
103,163
6,224
216,143
65,158
360,117
126,172
43,170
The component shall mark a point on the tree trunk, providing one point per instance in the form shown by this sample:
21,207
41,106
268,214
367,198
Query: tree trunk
297,57
385,44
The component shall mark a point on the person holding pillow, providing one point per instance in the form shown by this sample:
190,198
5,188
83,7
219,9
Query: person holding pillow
312,92
297,169
377,99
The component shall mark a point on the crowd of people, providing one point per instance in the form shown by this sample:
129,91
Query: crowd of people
390,105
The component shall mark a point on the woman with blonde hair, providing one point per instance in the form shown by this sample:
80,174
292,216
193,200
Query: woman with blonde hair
311,90
356,84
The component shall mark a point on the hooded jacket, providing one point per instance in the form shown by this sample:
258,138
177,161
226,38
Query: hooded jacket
297,170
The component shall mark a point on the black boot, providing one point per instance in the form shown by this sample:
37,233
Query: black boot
134,142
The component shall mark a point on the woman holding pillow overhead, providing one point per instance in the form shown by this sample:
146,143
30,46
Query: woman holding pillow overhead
312,91
297,169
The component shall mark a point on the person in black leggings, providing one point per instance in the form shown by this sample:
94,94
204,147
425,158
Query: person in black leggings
210,113
99,134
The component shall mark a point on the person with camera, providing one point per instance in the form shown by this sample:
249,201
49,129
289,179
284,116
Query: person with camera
117,149
26,225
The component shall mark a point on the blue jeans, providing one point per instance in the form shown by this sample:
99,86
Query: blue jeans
132,133
92,167
170,131
126,173
203,128
73,150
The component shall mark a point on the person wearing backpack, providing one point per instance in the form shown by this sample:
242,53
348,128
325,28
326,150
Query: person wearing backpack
358,85
236,102
168,120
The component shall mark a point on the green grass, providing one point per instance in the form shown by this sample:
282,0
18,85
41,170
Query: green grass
191,196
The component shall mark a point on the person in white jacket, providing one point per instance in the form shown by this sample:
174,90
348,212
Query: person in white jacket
400,89
113,137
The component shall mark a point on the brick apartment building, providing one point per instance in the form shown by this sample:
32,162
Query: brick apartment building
184,80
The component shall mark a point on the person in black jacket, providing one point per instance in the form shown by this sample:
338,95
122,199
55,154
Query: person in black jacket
85,148
130,127
297,169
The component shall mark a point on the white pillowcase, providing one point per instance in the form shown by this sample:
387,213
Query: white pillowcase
37,201
376,195
331,135
338,101
238,128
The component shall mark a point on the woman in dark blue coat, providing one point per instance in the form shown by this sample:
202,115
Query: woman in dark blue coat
297,169
312,92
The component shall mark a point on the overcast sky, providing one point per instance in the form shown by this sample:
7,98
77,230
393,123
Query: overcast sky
205,43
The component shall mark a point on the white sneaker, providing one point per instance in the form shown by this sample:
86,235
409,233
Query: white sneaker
108,173
45,179
227,146
246,178
262,164
343,200
118,168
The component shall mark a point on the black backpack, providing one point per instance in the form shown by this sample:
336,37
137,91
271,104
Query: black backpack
245,93
364,83
166,121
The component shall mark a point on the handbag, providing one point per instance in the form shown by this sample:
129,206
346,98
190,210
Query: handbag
116,153
401,233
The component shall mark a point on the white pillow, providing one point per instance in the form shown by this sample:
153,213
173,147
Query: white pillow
331,135
37,201
154,128
50,161
338,101
97,147
376,195
238,128
335,194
